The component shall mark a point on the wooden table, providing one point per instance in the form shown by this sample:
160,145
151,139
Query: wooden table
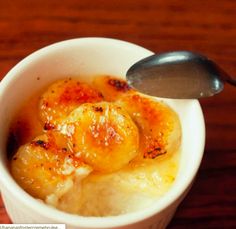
204,26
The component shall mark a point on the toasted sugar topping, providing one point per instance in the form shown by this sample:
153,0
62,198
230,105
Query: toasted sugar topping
93,138
118,84
155,121
106,138
64,96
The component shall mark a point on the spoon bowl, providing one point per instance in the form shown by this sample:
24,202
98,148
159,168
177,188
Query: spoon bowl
178,75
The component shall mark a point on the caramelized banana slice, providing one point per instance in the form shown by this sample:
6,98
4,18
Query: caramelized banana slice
159,126
103,135
64,96
112,87
46,168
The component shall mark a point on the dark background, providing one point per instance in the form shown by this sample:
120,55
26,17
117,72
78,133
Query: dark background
208,27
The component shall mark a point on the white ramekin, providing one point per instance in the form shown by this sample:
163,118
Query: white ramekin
91,56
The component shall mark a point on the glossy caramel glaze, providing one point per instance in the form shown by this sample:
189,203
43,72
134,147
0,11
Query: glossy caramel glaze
64,96
76,145
158,125
159,128
103,135
112,88
44,165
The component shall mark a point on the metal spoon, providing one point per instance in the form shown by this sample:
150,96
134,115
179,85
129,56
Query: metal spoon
178,75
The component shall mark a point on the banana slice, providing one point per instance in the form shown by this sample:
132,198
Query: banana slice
112,87
64,96
103,135
159,125
46,167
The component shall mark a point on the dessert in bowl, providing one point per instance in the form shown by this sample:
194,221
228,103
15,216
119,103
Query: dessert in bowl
97,149
139,185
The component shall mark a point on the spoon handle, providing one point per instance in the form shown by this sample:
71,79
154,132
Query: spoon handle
231,81
225,76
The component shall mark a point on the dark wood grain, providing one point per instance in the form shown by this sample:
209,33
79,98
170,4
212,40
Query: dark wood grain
204,26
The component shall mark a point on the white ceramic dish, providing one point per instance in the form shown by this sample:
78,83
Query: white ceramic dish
92,56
